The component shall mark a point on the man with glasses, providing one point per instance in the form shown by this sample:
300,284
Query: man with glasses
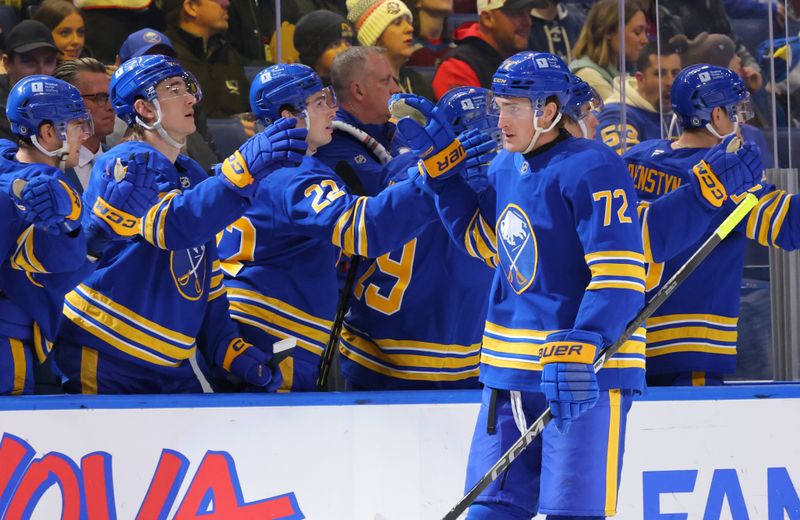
90,78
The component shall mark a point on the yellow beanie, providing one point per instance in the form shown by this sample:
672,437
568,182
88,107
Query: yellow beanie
372,17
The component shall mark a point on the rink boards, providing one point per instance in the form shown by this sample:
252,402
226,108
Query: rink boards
732,452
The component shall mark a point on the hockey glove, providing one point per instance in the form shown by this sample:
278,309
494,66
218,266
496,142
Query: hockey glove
249,364
281,145
48,203
439,151
481,148
728,168
568,379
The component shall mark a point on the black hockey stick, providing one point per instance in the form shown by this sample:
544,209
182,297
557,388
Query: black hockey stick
350,178
736,216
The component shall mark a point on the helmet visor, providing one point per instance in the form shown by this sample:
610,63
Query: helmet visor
593,105
742,111
323,99
511,107
179,86
83,126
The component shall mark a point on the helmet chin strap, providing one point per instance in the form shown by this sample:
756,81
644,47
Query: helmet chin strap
710,128
62,153
159,128
307,117
673,124
584,130
539,131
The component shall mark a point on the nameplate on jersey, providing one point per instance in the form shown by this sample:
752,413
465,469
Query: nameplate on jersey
517,248
122,223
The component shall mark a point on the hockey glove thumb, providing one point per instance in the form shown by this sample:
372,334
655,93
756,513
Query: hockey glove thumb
728,168
480,148
568,379
247,363
48,203
281,145
435,143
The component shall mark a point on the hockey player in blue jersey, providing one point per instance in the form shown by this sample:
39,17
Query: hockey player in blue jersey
691,339
581,108
44,243
571,274
280,257
416,316
134,325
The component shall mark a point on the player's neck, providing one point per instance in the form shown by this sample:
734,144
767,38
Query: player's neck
702,139
30,155
157,142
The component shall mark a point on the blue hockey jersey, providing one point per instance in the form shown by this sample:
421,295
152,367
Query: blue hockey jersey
642,120
38,268
566,243
155,298
695,329
280,258
416,317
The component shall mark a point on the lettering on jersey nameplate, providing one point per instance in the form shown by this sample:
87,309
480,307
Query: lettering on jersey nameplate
653,181
188,268
517,248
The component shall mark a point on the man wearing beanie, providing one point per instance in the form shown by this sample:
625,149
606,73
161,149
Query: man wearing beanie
647,115
502,29
387,24
29,49
319,37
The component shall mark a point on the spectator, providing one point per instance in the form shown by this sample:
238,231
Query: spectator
502,29
646,106
710,16
597,51
720,51
430,40
29,50
109,22
89,76
251,30
363,142
554,28
319,37
755,9
196,29
387,24
66,23
149,41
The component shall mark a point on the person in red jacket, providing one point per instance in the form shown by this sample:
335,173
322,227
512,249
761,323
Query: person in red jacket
501,30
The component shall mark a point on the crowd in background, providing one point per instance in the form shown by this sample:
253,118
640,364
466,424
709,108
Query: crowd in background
432,46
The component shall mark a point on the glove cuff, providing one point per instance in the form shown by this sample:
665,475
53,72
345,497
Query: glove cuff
574,346
236,175
122,223
445,160
707,185
235,348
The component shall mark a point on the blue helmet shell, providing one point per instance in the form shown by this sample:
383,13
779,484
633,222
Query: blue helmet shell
281,85
38,99
534,75
699,89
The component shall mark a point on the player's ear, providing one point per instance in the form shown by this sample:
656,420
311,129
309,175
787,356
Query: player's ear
287,113
550,110
47,133
145,110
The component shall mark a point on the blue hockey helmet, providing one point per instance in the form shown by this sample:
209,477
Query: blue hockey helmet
699,89
38,99
581,99
138,78
468,108
534,75
285,85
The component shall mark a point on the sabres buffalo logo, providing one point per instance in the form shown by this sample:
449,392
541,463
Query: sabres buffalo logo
517,248
189,271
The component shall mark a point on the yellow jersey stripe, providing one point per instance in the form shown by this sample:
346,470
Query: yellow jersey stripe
20,366
612,452
616,284
412,375
777,223
755,215
294,312
614,255
301,342
766,221
691,332
693,346
629,270
468,236
302,330
504,362
362,230
677,319
374,349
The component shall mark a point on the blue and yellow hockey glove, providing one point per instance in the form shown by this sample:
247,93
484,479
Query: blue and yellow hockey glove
47,202
728,168
428,134
281,145
481,148
568,379
126,190
249,364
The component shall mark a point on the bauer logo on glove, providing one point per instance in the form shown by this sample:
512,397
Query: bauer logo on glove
445,160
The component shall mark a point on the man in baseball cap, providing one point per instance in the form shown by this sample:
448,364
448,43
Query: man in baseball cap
28,49
502,29
146,41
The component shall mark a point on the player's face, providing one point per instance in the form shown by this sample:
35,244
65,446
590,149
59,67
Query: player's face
397,39
177,107
647,81
93,87
589,121
321,109
69,37
380,85
77,132
516,122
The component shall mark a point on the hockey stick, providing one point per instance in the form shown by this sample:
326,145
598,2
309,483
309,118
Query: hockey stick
350,178
736,216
